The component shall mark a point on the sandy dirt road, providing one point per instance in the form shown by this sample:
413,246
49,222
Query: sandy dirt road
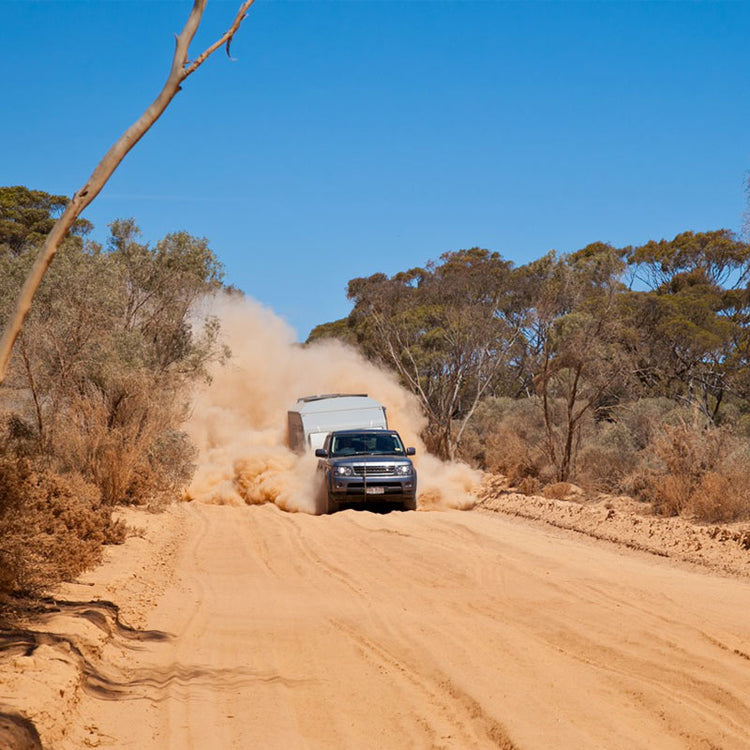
430,630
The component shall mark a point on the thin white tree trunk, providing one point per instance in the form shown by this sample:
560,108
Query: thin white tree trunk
180,70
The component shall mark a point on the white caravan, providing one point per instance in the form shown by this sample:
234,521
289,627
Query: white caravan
313,417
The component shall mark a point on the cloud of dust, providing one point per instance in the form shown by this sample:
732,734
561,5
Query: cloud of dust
239,420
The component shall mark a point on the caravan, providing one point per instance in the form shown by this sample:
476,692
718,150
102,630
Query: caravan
314,417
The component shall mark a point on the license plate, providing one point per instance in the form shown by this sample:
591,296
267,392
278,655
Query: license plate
375,490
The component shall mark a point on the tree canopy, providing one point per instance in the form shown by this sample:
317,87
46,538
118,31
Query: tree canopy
571,332
110,348
27,217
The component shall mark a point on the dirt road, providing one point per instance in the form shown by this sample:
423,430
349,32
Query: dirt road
429,630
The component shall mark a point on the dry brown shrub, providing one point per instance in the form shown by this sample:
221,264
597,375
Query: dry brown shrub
529,486
134,459
511,454
720,498
104,448
645,419
558,490
615,456
51,528
606,456
163,472
699,472
506,436
669,494
637,483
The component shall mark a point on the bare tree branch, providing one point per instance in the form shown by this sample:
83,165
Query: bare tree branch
225,40
180,70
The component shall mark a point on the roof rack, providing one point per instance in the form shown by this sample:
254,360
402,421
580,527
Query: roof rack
330,395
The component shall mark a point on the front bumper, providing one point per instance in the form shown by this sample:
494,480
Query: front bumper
355,489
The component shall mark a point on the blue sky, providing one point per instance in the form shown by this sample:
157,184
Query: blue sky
354,136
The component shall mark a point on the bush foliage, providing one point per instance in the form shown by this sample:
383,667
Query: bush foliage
700,471
99,385
52,527
578,367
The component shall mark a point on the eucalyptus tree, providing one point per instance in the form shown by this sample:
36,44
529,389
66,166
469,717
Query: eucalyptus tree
447,329
693,320
103,370
574,338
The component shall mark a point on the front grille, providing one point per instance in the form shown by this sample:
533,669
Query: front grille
374,470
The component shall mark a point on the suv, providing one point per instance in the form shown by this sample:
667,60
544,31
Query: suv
362,466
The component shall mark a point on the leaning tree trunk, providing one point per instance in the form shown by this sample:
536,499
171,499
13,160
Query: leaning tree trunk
180,70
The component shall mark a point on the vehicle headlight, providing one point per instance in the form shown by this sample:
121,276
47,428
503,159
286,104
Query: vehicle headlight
403,469
343,471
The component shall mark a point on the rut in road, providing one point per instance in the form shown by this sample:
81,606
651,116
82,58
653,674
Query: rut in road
432,630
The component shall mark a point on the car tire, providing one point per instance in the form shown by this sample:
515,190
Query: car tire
321,501
410,504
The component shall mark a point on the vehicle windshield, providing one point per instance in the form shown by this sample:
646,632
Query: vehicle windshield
358,444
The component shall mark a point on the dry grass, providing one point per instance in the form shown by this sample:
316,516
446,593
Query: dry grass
506,437
51,528
558,490
529,486
700,472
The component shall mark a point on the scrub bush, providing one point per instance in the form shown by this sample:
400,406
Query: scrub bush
506,436
699,472
52,527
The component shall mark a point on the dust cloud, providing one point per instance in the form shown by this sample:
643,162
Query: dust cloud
239,420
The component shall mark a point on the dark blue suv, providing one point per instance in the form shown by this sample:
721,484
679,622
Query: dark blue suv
366,466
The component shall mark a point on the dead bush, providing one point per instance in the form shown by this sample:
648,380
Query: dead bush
644,419
697,471
669,494
529,486
607,455
617,454
131,453
106,443
649,449
719,499
506,436
557,490
165,470
51,527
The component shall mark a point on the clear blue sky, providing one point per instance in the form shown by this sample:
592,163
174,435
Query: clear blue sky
352,137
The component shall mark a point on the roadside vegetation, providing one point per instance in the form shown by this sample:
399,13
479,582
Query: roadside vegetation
98,388
623,370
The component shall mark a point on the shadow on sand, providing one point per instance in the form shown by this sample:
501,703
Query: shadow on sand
18,732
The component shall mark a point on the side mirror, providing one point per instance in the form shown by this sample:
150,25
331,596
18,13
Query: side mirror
411,451
321,453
